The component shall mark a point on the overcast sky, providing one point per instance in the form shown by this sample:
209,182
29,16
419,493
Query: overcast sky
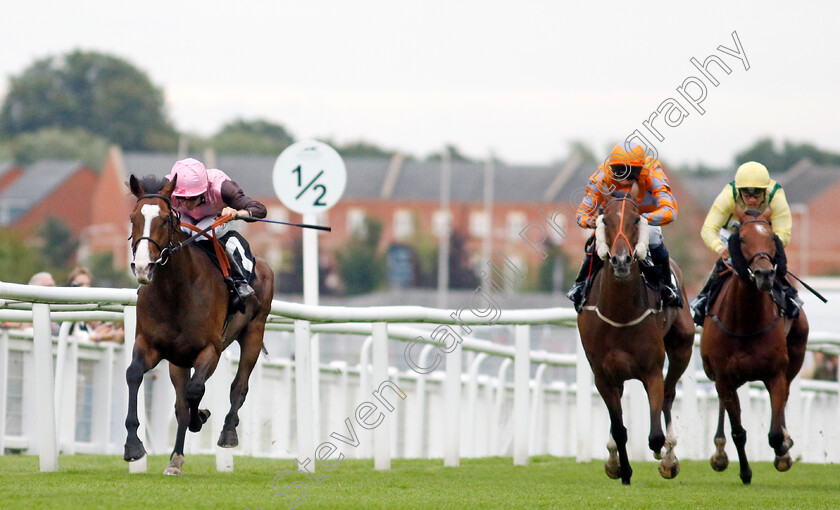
519,78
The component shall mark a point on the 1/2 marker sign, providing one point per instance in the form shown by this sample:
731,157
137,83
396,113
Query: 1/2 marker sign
309,177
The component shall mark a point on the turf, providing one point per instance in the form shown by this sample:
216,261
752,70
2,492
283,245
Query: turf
93,482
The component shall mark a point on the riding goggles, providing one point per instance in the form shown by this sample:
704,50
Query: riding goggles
752,192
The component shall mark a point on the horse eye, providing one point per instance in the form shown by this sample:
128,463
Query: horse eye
637,220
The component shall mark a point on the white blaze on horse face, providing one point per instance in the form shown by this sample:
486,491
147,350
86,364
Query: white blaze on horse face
142,257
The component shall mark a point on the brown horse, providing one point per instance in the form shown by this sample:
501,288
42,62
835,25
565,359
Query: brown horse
745,338
182,317
627,334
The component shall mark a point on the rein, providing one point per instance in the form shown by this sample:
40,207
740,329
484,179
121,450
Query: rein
172,247
729,332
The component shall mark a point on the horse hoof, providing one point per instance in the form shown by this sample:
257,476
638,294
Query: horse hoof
669,472
172,471
228,439
783,463
719,462
746,477
176,462
134,452
203,415
612,467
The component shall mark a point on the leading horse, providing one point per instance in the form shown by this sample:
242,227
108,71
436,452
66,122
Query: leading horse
746,338
627,334
182,317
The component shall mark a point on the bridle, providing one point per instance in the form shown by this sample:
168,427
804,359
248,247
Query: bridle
759,255
171,247
605,254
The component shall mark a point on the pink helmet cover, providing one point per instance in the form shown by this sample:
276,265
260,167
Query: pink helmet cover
192,178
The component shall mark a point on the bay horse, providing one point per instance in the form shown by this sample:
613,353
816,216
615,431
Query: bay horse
627,334
182,317
746,338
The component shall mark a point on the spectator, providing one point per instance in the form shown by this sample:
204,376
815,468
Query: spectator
824,367
42,279
97,331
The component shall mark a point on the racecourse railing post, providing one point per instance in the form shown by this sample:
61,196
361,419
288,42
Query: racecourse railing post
583,398
130,329
382,433
415,424
452,386
364,450
496,446
4,369
521,380
303,393
472,399
534,447
221,403
44,388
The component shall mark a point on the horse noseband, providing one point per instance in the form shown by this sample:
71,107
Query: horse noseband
759,255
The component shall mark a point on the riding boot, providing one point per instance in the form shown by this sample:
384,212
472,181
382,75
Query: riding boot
239,284
671,295
576,293
699,304
790,297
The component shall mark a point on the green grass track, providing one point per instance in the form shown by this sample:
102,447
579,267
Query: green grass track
94,482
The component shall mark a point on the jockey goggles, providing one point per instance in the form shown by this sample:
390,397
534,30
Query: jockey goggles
752,192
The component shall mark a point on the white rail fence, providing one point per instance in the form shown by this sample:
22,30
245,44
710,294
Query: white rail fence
64,393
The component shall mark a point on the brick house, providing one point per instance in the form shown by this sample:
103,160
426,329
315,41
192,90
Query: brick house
404,196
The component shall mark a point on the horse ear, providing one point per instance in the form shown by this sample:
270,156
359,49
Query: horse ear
767,213
739,212
135,186
167,189
636,193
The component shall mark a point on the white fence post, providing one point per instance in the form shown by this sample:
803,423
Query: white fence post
452,440
501,393
4,377
584,404
303,393
44,386
521,379
472,397
381,434
221,404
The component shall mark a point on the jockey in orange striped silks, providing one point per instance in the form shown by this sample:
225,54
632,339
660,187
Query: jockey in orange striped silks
657,205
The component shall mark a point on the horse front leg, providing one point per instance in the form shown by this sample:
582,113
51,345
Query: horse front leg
719,460
205,365
179,377
729,397
778,437
140,364
617,444
250,352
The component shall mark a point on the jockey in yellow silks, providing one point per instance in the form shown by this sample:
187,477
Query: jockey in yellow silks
752,189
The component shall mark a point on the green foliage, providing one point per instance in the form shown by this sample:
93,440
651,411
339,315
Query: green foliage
257,137
764,152
100,93
289,278
59,245
454,152
106,275
555,261
361,267
462,275
56,143
580,148
18,262
362,149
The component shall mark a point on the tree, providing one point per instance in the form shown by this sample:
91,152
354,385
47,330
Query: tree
59,247
99,93
454,152
764,152
255,137
18,262
362,149
55,143
360,265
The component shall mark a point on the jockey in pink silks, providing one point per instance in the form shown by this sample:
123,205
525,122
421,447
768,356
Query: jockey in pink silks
200,196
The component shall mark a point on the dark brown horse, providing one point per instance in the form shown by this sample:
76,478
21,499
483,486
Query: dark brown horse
745,338
627,335
182,317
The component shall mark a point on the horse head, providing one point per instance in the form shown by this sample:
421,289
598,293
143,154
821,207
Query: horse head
753,249
153,225
621,233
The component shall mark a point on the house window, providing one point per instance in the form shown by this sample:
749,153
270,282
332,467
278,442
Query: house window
403,224
278,214
515,224
356,222
441,222
479,224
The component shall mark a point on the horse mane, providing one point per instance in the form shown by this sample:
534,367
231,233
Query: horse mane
152,183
